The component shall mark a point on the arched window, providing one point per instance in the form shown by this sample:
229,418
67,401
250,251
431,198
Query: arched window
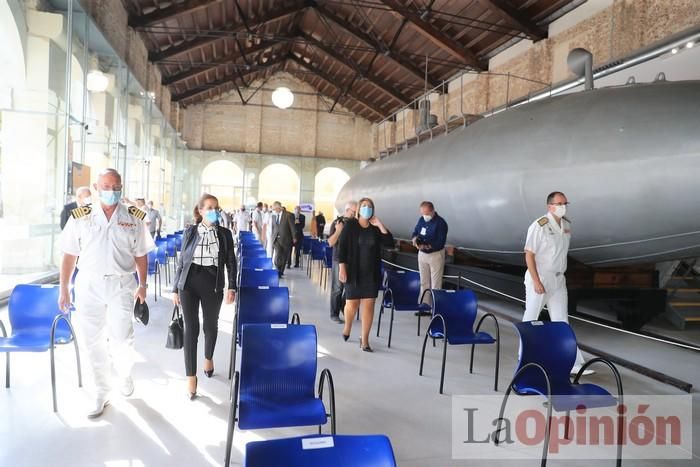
223,179
279,182
328,183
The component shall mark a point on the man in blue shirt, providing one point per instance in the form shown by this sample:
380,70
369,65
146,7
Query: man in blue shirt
429,237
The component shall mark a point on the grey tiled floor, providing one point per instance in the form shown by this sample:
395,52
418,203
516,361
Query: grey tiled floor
158,425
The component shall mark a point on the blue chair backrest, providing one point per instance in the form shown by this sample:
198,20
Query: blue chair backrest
319,451
253,254
172,245
178,241
306,244
32,309
457,307
318,250
405,288
550,344
152,261
278,362
263,304
251,277
328,256
162,251
246,235
256,263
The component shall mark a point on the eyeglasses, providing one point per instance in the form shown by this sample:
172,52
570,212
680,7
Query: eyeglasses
559,204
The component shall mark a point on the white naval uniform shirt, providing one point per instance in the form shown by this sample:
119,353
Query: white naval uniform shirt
107,247
550,244
242,220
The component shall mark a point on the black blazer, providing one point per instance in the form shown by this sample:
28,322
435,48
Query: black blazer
227,258
65,214
349,250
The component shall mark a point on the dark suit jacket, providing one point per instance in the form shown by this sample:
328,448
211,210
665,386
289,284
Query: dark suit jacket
284,232
227,259
65,214
299,228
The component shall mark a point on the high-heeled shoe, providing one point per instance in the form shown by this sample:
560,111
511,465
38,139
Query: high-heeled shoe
210,373
365,348
346,337
192,395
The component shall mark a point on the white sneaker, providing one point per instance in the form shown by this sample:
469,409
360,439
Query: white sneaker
98,407
127,386
586,372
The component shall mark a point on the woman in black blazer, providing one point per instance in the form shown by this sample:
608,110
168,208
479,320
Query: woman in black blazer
207,248
359,259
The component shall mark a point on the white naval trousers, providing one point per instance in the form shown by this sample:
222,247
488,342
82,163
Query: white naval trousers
430,267
104,309
268,240
556,297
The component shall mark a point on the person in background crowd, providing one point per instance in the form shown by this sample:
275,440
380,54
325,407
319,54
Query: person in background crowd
337,287
207,251
320,225
113,243
258,222
83,197
359,266
155,221
299,224
283,236
429,237
242,220
267,229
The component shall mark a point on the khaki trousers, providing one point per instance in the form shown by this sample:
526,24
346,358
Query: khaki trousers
431,267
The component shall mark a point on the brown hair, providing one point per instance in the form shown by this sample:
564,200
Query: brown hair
427,204
200,205
359,204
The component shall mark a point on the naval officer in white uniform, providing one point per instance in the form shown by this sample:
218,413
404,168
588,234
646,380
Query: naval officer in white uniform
112,242
546,249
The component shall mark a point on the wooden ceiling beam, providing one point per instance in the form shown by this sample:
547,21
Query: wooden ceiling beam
436,36
174,10
227,79
334,82
390,53
230,29
223,60
516,18
347,61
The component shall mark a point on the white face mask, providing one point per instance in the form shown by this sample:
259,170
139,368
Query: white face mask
427,218
560,211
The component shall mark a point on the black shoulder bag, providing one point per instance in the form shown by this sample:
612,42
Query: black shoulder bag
175,330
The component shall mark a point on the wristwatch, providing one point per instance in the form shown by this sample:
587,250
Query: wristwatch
143,286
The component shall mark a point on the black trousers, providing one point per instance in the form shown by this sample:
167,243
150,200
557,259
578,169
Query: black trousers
337,287
199,288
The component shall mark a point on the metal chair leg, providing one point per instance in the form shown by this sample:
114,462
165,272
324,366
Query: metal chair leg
232,360
444,358
231,421
7,357
391,325
379,320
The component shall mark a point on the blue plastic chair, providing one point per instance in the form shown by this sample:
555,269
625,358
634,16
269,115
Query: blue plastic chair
547,354
162,257
318,255
255,277
256,263
327,265
454,313
154,270
275,385
37,325
254,305
321,451
253,253
400,294
306,243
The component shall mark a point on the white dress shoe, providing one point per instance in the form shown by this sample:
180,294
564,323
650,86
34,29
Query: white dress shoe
586,372
127,386
98,407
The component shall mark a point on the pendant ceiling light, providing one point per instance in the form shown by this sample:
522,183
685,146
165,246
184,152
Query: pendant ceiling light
283,98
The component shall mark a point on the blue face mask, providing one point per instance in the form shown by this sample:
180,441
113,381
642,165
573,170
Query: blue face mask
109,197
366,212
212,217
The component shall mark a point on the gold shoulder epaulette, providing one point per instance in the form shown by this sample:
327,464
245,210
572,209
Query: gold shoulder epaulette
542,221
82,211
137,213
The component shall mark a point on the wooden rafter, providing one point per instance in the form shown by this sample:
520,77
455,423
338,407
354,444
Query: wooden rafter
227,79
392,54
232,28
172,11
334,82
439,38
347,61
514,17
223,60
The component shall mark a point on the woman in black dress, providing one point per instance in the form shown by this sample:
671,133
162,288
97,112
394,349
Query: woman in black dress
359,258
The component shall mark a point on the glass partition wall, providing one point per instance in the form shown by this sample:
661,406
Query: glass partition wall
69,108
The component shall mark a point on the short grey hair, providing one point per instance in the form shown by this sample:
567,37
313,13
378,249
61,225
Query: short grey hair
109,171
82,189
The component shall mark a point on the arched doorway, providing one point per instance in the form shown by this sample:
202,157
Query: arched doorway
328,183
279,182
224,179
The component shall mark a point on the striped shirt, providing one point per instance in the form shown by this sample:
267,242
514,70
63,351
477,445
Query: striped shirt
207,251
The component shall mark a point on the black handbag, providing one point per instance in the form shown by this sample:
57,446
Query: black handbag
141,312
175,330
